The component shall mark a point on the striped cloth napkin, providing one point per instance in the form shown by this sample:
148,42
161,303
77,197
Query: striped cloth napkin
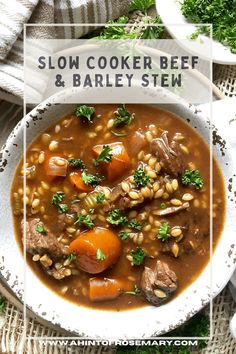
13,15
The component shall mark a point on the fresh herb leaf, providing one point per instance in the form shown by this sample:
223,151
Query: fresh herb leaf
84,220
115,217
85,112
152,30
141,5
78,163
104,156
220,13
123,117
193,178
163,234
113,31
71,257
118,134
63,208
41,229
100,198
134,224
94,180
57,198
124,235
135,292
163,205
100,256
138,256
3,304
141,178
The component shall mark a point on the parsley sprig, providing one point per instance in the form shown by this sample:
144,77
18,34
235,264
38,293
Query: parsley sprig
124,235
72,257
85,112
134,224
141,178
77,163
163,232
135,292
193,178
104,156
57,199
84,220
115,217
123,117
138,256
41,229
141,5
100,256
100,198
89,179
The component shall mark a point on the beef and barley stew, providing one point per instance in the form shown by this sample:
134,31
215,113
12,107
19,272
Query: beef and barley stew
117,201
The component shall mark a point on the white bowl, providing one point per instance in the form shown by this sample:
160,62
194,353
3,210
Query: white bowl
86,322
179,27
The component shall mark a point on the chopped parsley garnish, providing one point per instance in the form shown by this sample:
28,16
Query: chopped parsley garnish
135,292
63,208
193,178
138,256
94,180
118,134
124,235
141,5
57,198
85,112
104,156
71,257
100,198
41,229
3,303
141,178
123,117
220,13
78,163
115,217
84,220
163,205
116,32
163,234
134,224
100,256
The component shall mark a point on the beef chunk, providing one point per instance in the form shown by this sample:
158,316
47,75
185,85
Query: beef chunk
159,283
171,210
168,154
37,243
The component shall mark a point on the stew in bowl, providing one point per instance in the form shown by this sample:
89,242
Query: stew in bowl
118,206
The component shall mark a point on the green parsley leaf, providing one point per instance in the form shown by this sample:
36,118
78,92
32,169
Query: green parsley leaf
94,180
85,112
63,208
84,220
135,292
3,303
100,256
163,205
124,235
57,198
141,5
193,178
123,117
138,256
115,217
105,155
78,163
71,257
41,229
134,224
152,32
116,32
163,232
141,178
100,198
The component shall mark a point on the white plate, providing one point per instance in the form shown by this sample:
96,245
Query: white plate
178,27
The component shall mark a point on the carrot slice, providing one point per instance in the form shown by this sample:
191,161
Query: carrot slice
90,244
119,163
101,289
76,180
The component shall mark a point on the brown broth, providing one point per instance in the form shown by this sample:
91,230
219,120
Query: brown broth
187,266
